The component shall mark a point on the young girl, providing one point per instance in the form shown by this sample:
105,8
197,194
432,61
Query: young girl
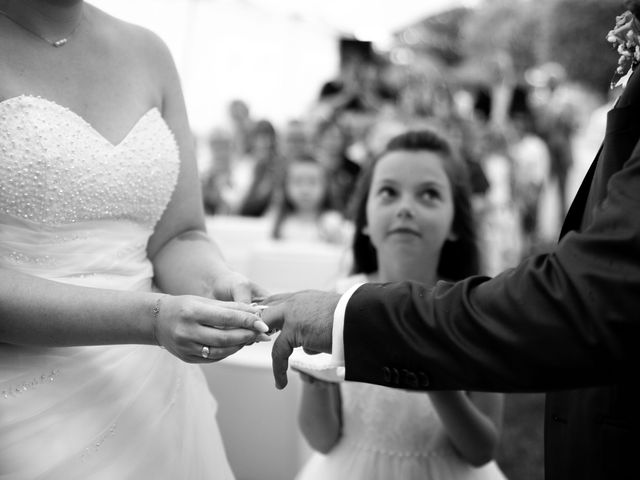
305,212
413,222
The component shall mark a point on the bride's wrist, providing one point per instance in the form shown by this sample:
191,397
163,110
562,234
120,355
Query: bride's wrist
155,314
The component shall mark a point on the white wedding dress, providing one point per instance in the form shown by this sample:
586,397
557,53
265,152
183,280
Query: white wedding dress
75,208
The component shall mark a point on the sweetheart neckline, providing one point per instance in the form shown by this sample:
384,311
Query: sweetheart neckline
82,120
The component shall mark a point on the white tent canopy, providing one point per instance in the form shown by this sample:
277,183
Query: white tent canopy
371,20
274,54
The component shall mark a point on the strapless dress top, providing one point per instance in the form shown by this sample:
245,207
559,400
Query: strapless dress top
57,169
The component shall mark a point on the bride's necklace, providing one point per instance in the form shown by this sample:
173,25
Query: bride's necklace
54,43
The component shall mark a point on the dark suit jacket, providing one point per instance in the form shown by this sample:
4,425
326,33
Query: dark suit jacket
566,322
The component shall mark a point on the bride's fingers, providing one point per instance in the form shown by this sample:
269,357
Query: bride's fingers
258,293
242,292
243,307
214,344
273,317
227,318
213,354
217,338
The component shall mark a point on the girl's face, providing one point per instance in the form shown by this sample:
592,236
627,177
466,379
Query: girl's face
305,186
410,207
263,146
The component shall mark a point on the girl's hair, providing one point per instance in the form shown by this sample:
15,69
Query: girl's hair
264,128
286,206
459,258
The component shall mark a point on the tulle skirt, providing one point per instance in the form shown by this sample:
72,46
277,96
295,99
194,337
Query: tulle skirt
99,412
348,462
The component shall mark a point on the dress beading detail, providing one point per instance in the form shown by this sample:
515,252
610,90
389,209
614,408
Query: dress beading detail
19,389
54,172
98,443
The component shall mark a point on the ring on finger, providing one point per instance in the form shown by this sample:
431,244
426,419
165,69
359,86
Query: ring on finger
204,353
262,308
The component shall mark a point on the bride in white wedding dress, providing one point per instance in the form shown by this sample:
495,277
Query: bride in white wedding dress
104,258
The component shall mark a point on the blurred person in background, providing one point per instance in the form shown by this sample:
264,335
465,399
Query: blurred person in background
357,89
242,125
217,181
500,235
296,140
331,142
305,211
267,166
531,163
465,133
558,122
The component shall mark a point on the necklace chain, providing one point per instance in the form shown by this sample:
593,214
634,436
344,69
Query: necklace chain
56,43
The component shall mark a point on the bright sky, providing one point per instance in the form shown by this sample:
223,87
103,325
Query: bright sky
274,54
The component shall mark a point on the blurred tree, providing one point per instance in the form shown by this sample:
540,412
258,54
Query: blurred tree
575,32
531,32
437,36
504,26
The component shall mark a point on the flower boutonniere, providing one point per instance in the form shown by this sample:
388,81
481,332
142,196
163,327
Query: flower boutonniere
625,39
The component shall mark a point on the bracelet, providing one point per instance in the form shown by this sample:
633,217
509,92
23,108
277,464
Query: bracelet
156,313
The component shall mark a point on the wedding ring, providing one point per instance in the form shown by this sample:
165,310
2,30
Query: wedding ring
262,308
204,352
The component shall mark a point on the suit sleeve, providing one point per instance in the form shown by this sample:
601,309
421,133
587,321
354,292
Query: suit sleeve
568,319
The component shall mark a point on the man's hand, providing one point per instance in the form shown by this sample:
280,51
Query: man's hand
306,320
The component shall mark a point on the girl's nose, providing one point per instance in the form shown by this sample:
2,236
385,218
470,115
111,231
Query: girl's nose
405,208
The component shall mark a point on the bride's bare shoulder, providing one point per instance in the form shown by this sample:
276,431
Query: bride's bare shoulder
131,38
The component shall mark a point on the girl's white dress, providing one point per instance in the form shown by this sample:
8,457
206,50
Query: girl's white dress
390,434
77,209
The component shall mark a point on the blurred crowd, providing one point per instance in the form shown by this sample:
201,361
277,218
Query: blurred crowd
518,139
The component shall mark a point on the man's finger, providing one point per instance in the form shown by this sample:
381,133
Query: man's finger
276,298
280,353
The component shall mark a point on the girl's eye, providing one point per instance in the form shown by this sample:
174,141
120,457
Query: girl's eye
386,192
431,194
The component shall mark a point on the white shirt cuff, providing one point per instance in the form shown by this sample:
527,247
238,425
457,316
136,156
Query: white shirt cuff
337,344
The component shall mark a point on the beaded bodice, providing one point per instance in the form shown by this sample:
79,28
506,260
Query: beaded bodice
55,168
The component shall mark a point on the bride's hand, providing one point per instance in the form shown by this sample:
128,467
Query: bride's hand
201,330
236,287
